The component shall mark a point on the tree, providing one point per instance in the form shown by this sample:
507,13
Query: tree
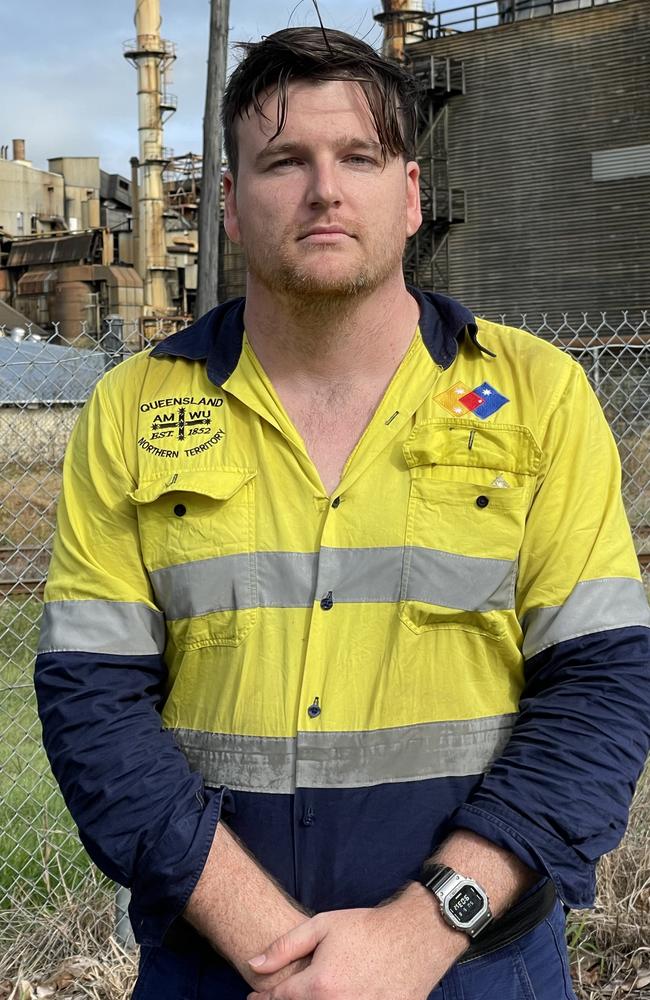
208,296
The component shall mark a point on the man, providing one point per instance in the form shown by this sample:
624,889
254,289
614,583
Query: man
368,559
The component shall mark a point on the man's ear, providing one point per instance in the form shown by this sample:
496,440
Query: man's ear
413,210
230,218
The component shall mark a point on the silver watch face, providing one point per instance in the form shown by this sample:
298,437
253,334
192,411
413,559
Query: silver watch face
465,905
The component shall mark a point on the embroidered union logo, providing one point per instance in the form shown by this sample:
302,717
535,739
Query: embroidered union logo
180,423
482,401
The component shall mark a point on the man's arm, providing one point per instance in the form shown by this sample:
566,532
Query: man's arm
240,908
558,795
145,818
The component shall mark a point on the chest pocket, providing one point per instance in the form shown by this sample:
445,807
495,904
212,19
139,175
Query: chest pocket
469,495
197,532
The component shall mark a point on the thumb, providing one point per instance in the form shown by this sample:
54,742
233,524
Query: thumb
296,943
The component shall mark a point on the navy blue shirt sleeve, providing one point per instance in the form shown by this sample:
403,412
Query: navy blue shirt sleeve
144,817
558,796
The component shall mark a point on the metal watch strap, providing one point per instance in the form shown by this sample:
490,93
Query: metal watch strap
435,876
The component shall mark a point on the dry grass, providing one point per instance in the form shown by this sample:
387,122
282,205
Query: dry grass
28,499
70,954
611,943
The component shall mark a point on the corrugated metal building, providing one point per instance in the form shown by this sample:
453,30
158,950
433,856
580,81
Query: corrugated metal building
42,389
551,144
39,374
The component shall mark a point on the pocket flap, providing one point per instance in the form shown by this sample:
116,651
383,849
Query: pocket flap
466,443
219,483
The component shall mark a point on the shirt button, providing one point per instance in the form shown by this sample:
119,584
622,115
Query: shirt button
180,509
308,817
314,709
482,501
335,502
327,603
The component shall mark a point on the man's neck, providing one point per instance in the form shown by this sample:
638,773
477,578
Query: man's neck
307,342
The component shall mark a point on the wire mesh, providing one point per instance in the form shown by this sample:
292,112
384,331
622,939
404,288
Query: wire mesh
43,384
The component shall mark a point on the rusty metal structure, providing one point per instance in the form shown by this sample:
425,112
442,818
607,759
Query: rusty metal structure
74,279
182,186
152,57
405,23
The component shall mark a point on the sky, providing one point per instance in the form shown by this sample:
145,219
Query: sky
68,91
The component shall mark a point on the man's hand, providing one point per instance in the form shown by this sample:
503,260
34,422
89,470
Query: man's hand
399,950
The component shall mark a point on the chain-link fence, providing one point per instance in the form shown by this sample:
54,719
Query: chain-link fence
43,383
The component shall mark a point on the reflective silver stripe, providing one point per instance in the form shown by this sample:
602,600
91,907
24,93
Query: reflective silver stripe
196,588
243,763
593,606
433,577
286,579
464,582
117,627
347,760
358,576
362,576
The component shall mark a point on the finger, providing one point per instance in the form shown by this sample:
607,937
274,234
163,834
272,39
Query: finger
296,943
294,988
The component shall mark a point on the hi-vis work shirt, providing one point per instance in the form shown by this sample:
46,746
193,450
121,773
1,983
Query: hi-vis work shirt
456,637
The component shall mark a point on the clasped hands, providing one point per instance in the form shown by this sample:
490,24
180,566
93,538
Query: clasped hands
399,949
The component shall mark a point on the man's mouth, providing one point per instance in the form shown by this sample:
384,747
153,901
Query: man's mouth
326,234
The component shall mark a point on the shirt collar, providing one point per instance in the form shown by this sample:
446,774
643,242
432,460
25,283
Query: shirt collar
217,337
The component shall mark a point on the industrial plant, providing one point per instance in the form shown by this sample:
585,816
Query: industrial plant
80,247
534,148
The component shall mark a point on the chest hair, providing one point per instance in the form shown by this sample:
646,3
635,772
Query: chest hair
331,423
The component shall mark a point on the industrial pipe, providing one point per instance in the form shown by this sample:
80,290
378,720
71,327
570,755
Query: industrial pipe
149,54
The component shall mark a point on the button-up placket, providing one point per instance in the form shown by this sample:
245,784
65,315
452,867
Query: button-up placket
337,573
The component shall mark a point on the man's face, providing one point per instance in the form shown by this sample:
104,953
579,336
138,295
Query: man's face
317,211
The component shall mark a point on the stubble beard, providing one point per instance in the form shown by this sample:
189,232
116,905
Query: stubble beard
309,290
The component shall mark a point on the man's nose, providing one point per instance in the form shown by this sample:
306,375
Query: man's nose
324,186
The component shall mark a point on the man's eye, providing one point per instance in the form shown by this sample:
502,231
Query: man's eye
288,161
362,160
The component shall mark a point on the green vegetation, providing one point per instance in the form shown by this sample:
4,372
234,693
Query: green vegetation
38,844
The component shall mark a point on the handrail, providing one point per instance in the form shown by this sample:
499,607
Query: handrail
490,13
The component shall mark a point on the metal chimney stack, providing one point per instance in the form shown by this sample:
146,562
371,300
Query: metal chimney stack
152,58
18,149
403,22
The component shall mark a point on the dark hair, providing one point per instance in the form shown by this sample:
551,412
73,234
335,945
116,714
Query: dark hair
316,53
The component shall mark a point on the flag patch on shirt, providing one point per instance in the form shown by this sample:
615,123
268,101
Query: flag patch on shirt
482,401
450,399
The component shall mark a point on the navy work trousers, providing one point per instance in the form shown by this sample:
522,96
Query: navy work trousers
533,968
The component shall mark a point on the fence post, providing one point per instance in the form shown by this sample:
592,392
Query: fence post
112,340
597,370
123,930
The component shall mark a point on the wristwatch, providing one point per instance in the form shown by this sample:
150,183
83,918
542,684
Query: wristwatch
464,905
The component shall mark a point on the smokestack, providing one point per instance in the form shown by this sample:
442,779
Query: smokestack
18,149
135,206
151,56
400,29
